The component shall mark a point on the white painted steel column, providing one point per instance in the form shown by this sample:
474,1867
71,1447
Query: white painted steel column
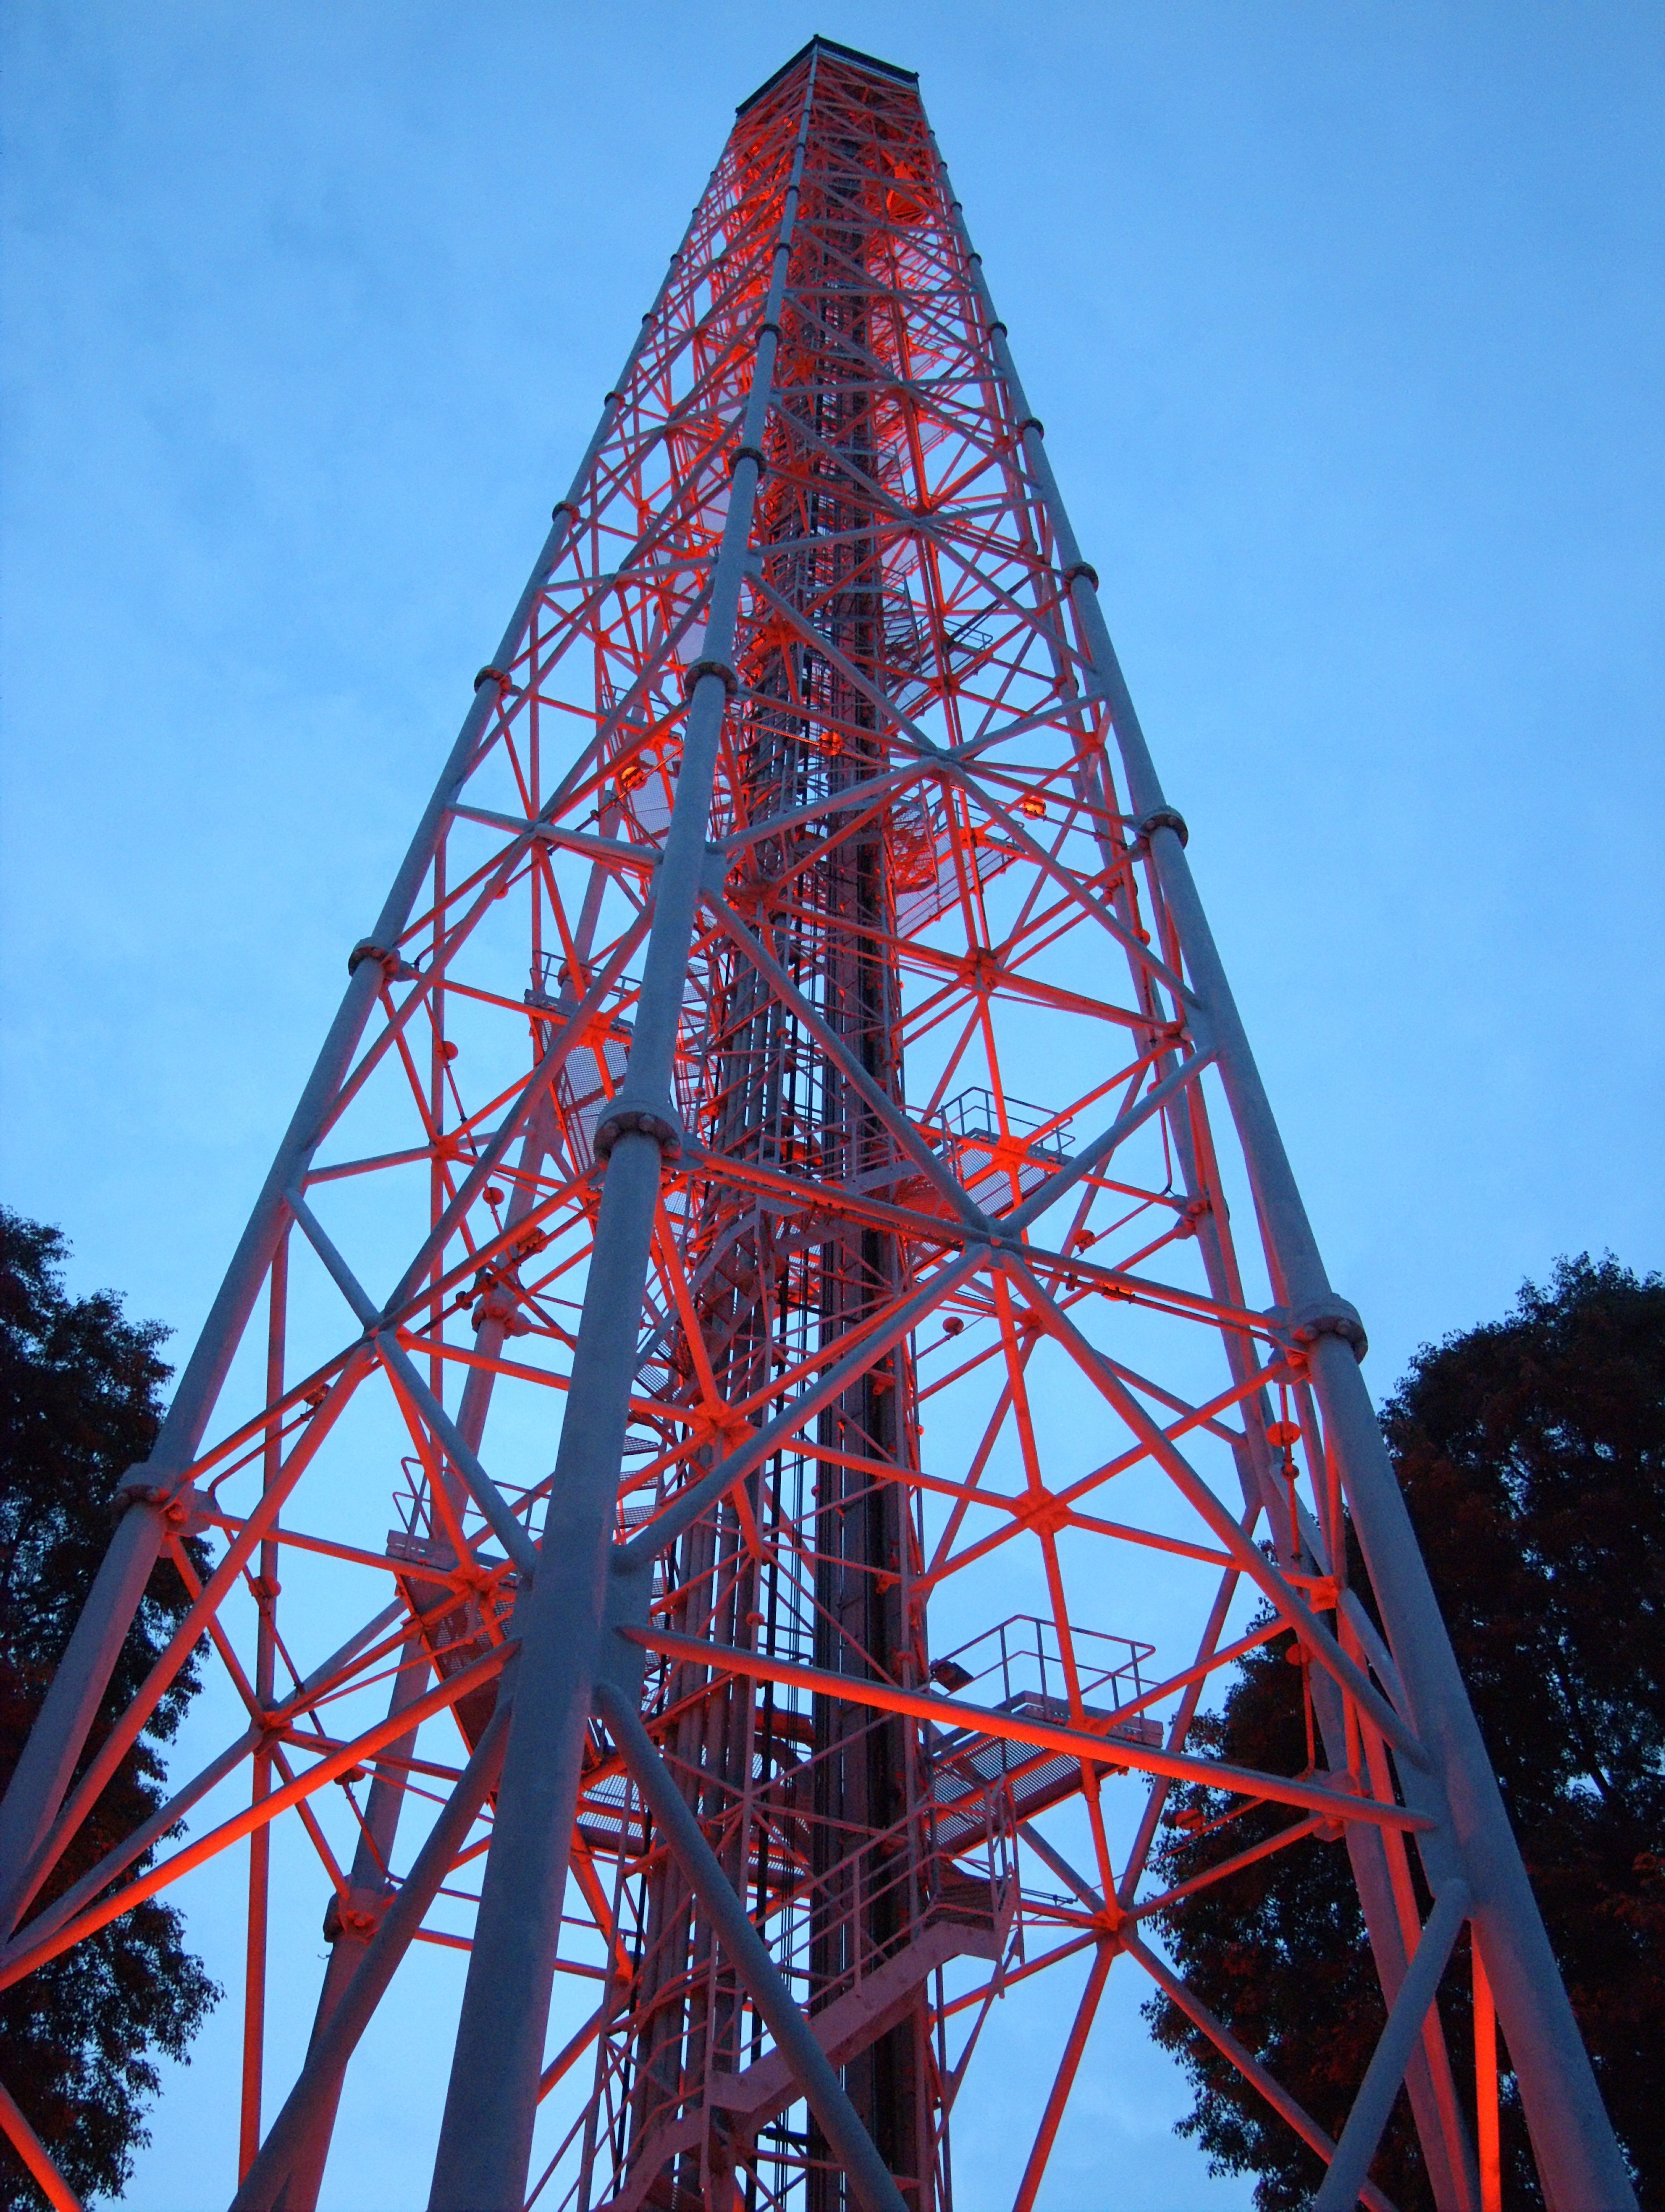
485,2142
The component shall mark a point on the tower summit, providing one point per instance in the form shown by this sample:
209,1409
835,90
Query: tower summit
781,1353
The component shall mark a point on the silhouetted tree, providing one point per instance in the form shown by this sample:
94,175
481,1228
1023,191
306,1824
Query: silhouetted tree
1531,1453
79,1400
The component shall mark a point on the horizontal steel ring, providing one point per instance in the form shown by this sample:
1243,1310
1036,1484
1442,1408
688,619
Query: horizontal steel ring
1330,1316
635,1121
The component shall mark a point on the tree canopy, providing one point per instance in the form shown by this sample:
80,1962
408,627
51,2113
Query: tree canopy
80,1401
1531,1453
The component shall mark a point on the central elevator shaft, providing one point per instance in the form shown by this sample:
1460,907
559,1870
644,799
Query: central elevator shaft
818,1802
866,1786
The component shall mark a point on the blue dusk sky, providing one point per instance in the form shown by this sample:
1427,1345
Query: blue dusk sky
1345,322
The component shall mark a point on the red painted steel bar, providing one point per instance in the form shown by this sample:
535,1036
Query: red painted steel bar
35,2156
1485,2090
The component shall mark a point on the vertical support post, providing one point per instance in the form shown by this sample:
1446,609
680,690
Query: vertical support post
486,2134
1577,2153
265,1677
254,1972
1486,2086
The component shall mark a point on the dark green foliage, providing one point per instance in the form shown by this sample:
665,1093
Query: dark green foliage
79,1405
1278,1952
1531,1453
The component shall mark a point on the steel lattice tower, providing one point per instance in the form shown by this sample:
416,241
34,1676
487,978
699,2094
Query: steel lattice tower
667,1110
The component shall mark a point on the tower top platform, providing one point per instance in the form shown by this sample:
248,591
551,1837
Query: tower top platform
829,46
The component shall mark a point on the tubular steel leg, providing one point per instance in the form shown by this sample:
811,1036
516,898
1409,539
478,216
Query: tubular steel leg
42,1774
1373,2103
485,2139
747,1950
1577,2155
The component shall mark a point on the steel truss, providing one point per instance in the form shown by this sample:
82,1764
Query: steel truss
801,822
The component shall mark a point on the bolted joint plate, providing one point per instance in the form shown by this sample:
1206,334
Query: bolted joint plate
360,1917
184,1507
1330,1316
623,1660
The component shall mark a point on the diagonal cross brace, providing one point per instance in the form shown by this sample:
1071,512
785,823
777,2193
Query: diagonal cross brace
487,1496
35,2156
1392,2055
1314,1636
1250,2068
687,1505
893,1117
